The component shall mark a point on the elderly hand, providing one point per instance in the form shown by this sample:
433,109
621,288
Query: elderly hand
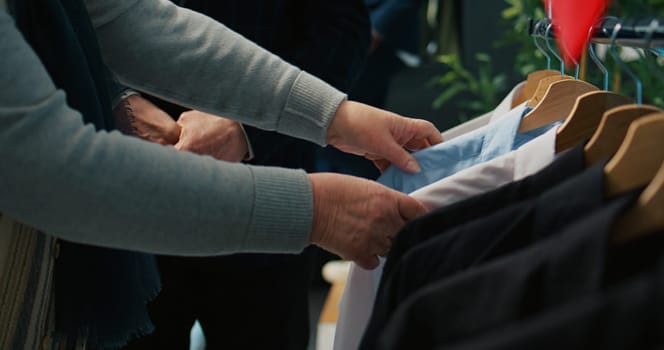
208,134
356,218
380,136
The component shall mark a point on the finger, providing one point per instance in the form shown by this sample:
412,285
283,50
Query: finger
401,158
381,164
383,246
435,138
415,145
410,208
426,130
368,263
378,161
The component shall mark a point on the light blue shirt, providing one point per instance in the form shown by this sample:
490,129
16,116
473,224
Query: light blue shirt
480,145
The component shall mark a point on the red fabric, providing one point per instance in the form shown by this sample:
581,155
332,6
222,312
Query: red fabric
572,20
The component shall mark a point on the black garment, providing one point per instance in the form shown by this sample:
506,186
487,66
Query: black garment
629,315
242,296
440,220
260,301
373,85
100,293
547,274
482,240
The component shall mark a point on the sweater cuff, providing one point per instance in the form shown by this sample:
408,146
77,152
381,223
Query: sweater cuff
283,211
310,107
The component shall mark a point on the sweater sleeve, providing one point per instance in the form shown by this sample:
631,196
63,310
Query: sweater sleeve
147,44
107,189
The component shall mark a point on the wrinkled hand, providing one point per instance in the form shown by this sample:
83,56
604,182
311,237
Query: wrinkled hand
208,134
380,136
356,218
139,117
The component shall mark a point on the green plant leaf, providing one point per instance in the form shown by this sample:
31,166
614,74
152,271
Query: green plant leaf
448,94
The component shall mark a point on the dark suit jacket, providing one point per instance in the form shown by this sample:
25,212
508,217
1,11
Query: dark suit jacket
625,316
483,240
328,39
541,277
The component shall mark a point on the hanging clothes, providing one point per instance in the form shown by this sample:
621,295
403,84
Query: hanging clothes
484,239
513,166
444,159
511,288
357,300
503,108
520,249
626,316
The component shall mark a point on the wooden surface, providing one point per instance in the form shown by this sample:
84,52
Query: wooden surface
529,88
542,87
330,312
586,116
647,215
612,130
556,104
639,157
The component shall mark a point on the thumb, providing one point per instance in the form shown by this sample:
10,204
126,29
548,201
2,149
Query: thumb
180,144
401,158
410,208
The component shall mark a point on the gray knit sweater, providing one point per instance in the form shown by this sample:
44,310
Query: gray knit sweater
107,189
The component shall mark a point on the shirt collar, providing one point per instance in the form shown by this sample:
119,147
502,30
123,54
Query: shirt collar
535,154
499,135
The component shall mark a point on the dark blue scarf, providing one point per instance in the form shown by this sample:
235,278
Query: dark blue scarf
100,293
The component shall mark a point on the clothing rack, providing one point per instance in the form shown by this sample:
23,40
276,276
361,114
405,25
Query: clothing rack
645,32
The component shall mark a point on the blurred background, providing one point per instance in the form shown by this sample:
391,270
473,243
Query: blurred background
475,51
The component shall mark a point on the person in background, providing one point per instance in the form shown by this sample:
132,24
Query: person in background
238,296
395,45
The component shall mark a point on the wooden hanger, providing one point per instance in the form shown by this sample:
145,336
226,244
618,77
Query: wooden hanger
528,90
557,103
612,130
586,116
533,81
542,88
639,156
646,216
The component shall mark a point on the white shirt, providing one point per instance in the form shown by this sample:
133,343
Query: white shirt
358,297
503,108
524,161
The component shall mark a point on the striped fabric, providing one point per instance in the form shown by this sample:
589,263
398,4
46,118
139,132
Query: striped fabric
26,280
